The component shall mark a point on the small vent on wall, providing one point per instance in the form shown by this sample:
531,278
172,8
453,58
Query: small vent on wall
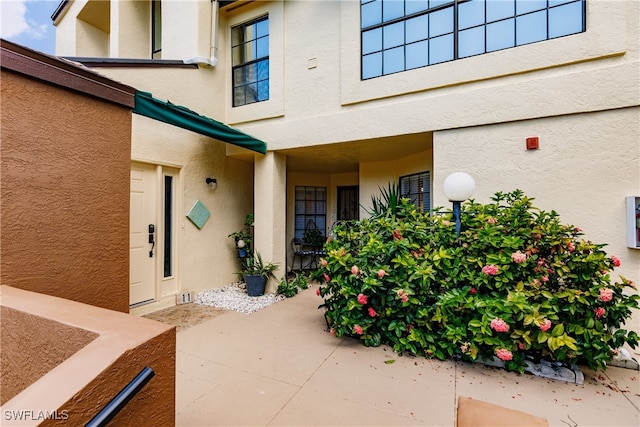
312,63
184,298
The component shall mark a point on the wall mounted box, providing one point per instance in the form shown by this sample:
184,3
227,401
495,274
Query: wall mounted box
633,222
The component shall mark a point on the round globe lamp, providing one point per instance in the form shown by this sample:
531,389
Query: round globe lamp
458,187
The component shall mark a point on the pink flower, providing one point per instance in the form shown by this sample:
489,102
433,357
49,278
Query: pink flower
464,347
545,279
362,299
404,297
606,294
616,260
535,283
518,257
355,270
492,220
504,354
599,312
446,223
521,346
490,270
327,278
473,291
332,332
318,291
499,325
577,229
372,312
545,325
323,262
357,329
571,247
381,273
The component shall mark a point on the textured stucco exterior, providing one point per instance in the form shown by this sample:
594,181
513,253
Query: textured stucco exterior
75,358
65,193
579,94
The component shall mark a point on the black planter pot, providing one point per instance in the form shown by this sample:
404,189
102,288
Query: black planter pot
255,285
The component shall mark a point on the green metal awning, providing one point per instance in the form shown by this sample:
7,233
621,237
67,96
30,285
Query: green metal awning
164,111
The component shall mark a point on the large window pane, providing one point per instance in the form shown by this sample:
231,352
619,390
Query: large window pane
500,9
565,20
392,9
263,70
263,90
531,28
393,35
372,41
526,6
417,29
393,60
441,22
441,49
262,28
371,13
470,14
436,3
372,65
413,6
417,55
262,47
471,42
500,35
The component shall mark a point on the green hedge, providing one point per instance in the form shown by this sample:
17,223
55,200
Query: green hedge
516,282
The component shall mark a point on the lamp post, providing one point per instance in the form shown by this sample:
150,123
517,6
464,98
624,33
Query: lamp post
458,187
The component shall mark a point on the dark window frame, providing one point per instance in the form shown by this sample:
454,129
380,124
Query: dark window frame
246,68
378,55
310,207
156,29
422,197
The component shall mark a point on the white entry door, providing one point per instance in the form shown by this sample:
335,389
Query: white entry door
143,234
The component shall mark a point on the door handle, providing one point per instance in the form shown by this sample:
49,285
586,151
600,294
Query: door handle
152,239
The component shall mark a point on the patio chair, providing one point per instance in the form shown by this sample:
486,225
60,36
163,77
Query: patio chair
298,249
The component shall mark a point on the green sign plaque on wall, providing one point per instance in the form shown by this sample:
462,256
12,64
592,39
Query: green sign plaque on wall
199,214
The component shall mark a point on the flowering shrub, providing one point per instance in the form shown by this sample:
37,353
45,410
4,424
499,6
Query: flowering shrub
516,282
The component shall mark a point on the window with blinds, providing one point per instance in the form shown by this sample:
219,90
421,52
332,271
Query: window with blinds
417,187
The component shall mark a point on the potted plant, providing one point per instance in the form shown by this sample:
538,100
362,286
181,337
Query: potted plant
243,238
255,273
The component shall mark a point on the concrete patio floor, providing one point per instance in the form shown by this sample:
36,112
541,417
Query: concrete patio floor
279,367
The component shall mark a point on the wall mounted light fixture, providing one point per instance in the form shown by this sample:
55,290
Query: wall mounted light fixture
212,183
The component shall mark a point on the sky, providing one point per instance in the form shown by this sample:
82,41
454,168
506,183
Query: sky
28,22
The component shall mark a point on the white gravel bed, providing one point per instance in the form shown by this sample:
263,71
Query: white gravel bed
234,297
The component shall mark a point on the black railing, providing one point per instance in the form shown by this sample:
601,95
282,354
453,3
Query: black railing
126,394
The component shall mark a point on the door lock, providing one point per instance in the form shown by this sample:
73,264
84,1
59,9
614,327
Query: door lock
152,238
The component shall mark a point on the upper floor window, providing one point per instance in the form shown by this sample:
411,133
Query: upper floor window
400,35
417,188
250,60
156,29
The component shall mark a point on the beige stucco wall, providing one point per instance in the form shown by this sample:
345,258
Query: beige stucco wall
585,167
377,175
